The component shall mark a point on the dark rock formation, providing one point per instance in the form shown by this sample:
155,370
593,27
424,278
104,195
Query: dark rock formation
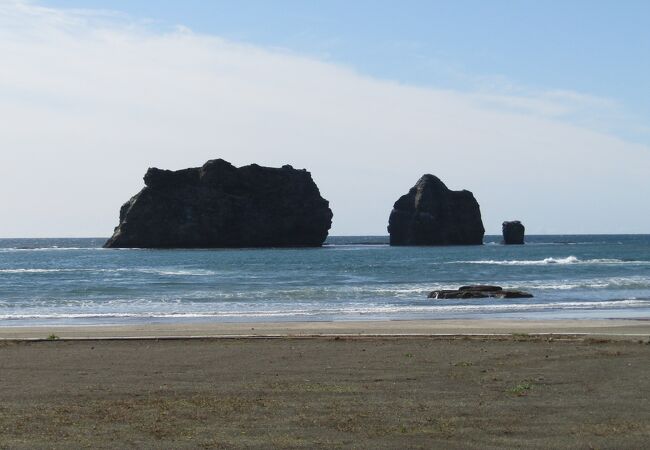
220,205
431,214
478,291
480,288
513,232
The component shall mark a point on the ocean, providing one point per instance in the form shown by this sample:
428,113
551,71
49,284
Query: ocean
76,282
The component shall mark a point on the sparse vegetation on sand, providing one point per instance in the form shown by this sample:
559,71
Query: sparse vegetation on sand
325,393
521,389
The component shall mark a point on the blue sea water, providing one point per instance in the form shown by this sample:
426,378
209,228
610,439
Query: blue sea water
75,281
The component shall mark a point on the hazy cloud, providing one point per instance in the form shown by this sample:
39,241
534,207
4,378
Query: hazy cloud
90,100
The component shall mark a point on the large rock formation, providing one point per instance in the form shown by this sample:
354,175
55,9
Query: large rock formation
431,214
513,232
220,205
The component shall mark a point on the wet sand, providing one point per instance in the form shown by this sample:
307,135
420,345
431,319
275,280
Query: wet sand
606,327
329,392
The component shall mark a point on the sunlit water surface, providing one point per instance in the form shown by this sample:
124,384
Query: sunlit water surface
75,281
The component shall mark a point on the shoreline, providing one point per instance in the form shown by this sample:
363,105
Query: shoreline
620,328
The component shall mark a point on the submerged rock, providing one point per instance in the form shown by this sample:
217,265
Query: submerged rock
432,214
478,291
220,205
513,232
480,288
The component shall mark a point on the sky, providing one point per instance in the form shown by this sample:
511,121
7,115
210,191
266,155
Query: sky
541,109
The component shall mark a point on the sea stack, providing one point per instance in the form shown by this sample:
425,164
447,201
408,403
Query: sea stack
220,205
432,214
513,232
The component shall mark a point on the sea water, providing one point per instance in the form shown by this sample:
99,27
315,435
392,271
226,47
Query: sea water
75,281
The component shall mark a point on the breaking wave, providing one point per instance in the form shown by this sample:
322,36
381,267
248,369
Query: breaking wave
353,310
550,260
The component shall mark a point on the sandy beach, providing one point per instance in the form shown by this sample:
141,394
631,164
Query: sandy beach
328,385
613,328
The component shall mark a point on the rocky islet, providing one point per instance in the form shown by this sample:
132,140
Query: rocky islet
513,232
432,214
220,205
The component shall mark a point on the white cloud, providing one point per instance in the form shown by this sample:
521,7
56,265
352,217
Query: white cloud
88,102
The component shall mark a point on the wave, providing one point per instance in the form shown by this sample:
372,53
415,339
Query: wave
160,271
551,260
177,272
42,270
44,249
342,311
631,282
355,247
635,282
54,248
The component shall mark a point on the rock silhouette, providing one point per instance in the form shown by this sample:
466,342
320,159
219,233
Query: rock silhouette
513,232
220,205
432,214
478,291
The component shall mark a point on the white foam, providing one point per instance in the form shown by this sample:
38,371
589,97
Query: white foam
40,270
178,272
634,282
45,249
354,309
551,260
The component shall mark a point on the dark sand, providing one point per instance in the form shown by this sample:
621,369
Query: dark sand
461,392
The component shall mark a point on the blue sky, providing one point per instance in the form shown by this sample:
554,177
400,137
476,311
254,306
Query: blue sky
541,109
596,48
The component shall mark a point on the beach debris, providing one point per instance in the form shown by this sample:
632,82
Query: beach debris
432,214
513,232
220,205
478,291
